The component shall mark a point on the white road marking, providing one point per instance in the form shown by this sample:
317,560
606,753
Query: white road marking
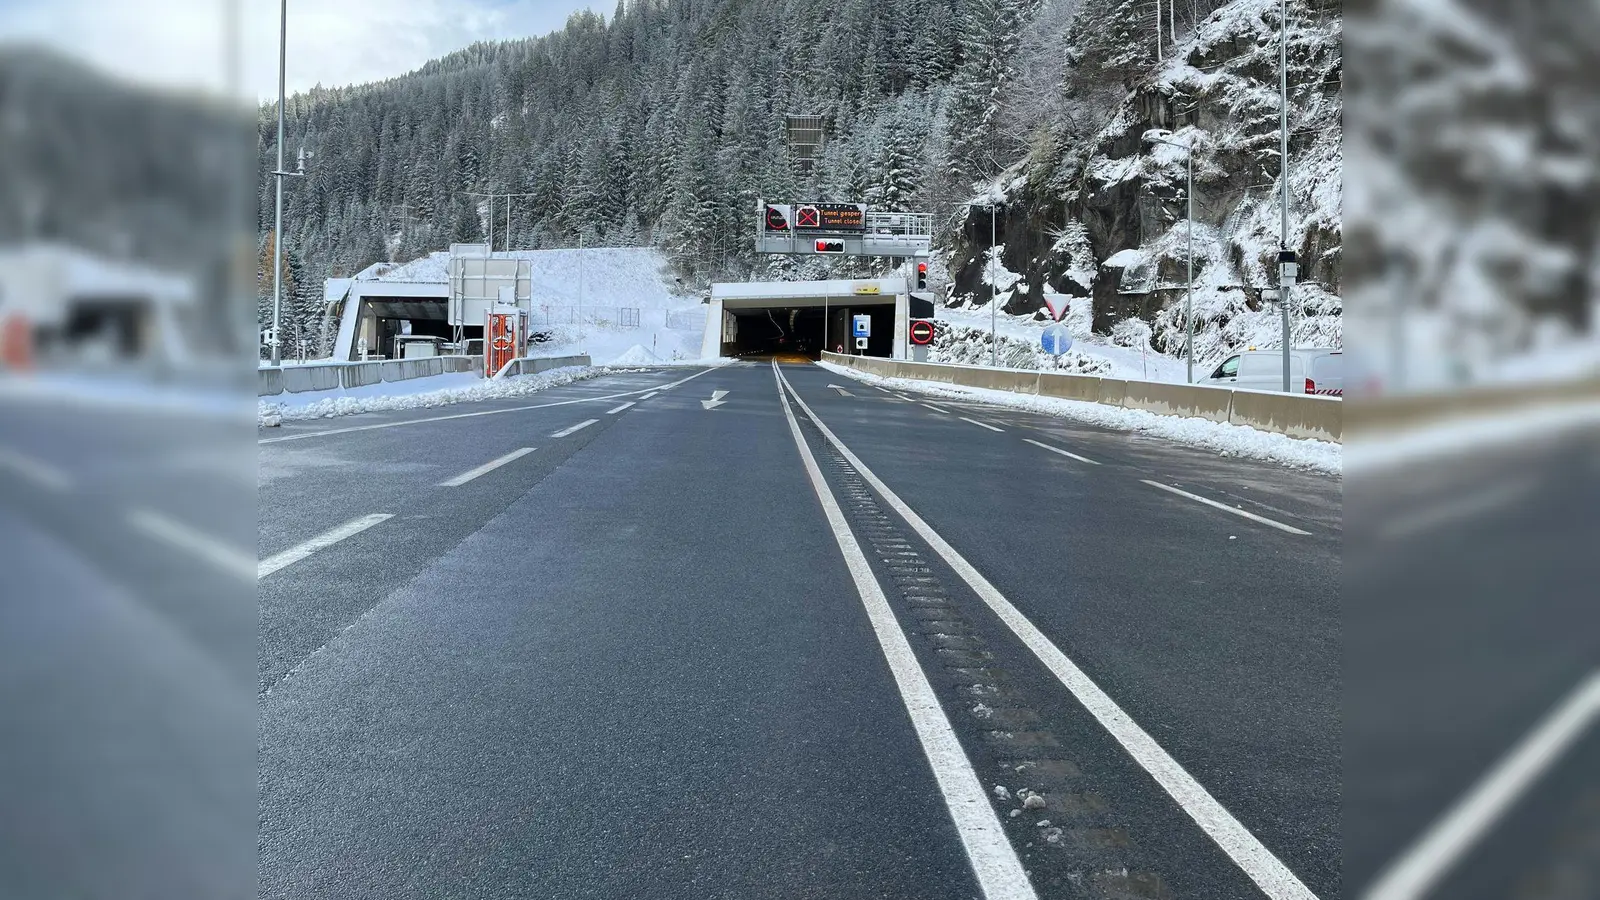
1464,507
935,409
40,473
194,542
715,401
876,388
842,391
1415,873
321,542
1225,507
980,424
487,412
1075,456
612,412
487,467
575,428
994,861
1268,872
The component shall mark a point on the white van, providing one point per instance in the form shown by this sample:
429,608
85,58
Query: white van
1311,371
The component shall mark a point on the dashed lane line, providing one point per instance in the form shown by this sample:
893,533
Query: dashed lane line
487,467
194,542
574,429
612,412
1225,507
40,473
1069,455
980,424
321,542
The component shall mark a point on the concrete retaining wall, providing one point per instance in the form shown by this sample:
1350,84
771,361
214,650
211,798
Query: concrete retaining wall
1295,415
295,379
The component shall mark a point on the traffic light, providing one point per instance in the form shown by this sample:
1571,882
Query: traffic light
922,276
830,246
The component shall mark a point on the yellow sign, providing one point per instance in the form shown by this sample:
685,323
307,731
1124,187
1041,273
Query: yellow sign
866,289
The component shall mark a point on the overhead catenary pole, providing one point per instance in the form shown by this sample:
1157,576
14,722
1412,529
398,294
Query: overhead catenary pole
1283,176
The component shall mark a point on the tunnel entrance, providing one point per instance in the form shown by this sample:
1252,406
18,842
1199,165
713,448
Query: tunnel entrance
780,331
800,319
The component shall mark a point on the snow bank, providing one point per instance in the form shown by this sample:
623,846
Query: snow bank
636,356
419,393
1222,438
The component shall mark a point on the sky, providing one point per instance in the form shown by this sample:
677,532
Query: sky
183,43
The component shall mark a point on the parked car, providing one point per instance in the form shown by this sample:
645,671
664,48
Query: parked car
1316,370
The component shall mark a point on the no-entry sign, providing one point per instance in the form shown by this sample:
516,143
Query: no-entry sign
922,332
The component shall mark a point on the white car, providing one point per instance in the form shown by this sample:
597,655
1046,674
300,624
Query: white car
1311,371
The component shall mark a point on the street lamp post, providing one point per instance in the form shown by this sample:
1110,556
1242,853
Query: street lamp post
994,334
1284,279
277,219
1188,303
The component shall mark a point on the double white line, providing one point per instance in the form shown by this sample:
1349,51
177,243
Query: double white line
1269,873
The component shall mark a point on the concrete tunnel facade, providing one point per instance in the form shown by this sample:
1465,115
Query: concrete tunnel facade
756,318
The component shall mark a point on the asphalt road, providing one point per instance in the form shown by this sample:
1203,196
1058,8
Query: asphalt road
1471,621
633,660
126,628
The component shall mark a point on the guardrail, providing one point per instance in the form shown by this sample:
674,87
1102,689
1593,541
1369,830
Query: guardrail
328,376
1295,415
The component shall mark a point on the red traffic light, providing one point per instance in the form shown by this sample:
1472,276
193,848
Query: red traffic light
830,246
922,268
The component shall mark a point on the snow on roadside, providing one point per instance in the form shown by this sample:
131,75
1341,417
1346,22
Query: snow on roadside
1223,438
272,411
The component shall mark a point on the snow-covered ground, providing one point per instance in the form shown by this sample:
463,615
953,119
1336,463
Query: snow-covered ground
583,297
1222,438
436,390
416,393
1121,362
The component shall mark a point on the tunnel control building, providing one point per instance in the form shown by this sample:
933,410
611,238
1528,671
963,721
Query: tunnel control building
754,318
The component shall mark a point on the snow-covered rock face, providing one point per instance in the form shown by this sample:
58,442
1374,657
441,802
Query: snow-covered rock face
1107,217
1474,187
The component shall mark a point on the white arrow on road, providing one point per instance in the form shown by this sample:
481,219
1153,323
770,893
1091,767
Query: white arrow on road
842,391
715,401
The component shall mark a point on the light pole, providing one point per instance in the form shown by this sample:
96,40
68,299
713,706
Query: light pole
277,219
994,334
1188,302
1284,279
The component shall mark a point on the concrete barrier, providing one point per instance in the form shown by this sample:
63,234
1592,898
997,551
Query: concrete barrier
295,379
1295,415
1070,387
355,375
533,365
1210,403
